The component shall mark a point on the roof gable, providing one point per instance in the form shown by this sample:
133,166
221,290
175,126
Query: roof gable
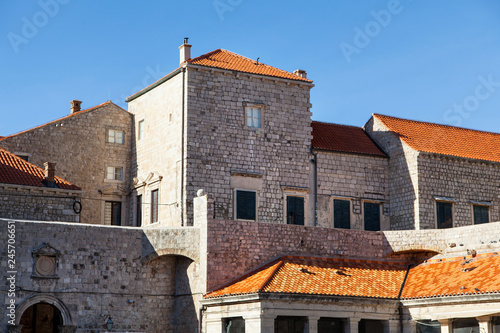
16,171
343,138
444,139
231,61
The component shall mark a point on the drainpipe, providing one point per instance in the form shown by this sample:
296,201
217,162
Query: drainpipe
400,308
182,146
315,161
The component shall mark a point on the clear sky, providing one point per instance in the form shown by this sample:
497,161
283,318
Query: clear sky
434,61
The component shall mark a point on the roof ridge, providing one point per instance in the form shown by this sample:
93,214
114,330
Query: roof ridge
437,124
62,118
337,124
281,262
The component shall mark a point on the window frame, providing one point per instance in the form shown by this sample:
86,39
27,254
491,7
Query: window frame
115,131
155,206
350,211
140,129
304,213
235,201
113,203
380,211
260,107
442,201
474,205
115,168
138,210
225,322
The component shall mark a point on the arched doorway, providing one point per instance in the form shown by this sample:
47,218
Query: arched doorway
41,318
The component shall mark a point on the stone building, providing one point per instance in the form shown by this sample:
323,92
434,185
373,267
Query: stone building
31,193
253,218
91,149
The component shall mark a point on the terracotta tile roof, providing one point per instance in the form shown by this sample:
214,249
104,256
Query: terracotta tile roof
454,276
16,171
63,118
342,138
320,276
443,139
228,60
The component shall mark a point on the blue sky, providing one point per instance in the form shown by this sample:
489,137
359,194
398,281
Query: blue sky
431,61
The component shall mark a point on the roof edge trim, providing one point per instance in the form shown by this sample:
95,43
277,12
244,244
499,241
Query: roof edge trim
154,85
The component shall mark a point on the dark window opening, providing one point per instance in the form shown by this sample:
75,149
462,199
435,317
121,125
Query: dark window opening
444,214
370,326
245,205
284,324
481,214
466,325
234,325
154,206
295,210
331,325
342,214
138,217
372,216
428,326
112,213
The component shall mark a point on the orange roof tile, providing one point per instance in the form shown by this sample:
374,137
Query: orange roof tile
454,276
343,138
16,171
443,139
320,276
228,60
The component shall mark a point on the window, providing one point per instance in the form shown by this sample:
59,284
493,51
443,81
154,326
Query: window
112,213
24,157
140,129
331,325
115,136
285,324
372,216
428,326
138,217
253,117
295,210
114,173
465,325
481,214
246,205
371,326
234,325
444,212
342,214
154,206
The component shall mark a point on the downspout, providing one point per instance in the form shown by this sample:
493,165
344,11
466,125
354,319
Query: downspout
400,307
315,161
182,146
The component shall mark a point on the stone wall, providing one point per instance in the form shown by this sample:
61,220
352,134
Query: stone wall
36,203
353,177
78,146
140,278
220,144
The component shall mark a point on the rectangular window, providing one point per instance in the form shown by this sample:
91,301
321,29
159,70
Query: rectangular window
24,157
481,214
428,326
342,214
253,117
115,136
114,173
112,213
285,324
444,211
331,325
154,206
138,217
234,325
246,205
295,210
372,216
140,130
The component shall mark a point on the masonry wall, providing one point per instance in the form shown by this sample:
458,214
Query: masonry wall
462,180
403,171
40,204
77,144
353,177
222,148
157,156
144,281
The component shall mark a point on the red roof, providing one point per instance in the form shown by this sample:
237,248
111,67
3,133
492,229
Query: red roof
342,138
443,139
454,276
321,276
16,171
228,60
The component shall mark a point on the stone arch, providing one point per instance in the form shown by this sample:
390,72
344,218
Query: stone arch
169,252
49,299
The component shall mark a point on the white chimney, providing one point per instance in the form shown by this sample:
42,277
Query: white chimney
301,73
185,49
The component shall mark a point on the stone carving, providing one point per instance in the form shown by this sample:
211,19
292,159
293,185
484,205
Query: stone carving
45,262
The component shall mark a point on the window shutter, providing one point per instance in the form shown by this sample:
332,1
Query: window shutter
245,205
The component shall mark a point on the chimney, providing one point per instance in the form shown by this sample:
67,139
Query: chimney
50,170
75,105
301,73
185,49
